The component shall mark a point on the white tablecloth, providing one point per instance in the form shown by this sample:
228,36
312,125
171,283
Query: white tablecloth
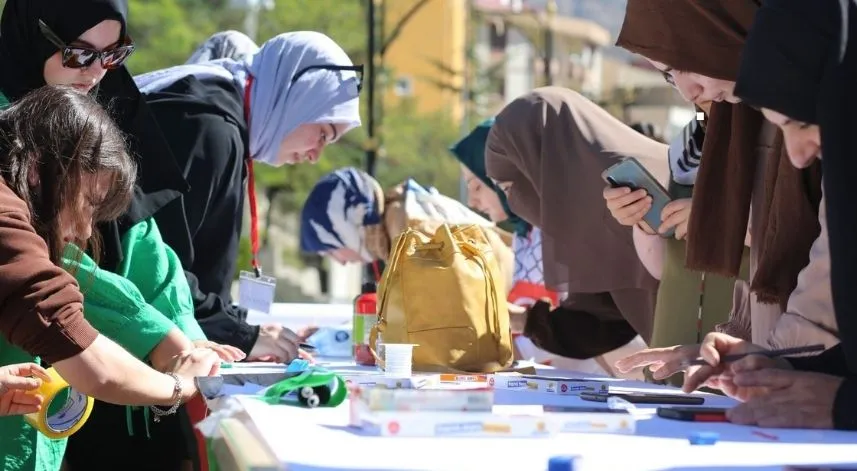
319,439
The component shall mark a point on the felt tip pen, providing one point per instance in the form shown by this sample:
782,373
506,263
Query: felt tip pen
766,353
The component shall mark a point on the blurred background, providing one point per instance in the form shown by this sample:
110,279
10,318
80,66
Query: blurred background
433,69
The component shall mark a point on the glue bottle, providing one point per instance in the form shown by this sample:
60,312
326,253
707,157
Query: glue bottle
364,318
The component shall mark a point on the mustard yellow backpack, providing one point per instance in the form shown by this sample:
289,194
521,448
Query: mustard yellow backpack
444,292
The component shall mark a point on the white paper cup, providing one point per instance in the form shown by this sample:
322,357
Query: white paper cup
398,359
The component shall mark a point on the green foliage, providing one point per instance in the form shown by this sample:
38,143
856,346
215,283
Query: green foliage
165,32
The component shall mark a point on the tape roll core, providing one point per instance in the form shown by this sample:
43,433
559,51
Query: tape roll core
69,418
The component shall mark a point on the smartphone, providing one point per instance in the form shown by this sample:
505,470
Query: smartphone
644,398
694,414
630,172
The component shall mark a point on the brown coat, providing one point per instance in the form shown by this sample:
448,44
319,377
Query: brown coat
41,307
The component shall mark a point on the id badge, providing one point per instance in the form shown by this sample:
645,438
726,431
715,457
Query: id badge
256,292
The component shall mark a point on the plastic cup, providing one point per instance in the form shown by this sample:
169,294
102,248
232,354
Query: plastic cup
398,359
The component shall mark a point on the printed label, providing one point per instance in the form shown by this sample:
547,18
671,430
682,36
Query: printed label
256,293
457,428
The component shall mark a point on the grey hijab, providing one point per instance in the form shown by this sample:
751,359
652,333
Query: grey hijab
230,44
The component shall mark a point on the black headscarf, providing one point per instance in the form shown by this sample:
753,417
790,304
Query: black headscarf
788,52
25,49
837,103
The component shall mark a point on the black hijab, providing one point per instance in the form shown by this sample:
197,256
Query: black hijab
22,43
837,103
792,64
788,52
23,47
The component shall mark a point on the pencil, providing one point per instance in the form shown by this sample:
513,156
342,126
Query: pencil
766,353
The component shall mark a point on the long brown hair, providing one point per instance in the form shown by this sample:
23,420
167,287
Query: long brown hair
63,136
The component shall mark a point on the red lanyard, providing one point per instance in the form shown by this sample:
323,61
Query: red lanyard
251,187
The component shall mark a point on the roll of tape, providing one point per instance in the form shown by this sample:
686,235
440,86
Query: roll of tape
69,418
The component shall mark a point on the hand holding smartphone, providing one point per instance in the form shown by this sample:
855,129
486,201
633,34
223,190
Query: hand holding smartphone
630,173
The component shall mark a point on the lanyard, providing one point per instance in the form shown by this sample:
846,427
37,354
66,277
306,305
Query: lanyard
251,188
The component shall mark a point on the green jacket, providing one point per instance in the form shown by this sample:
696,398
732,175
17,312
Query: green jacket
136,307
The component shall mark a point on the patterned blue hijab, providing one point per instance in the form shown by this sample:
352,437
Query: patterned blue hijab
470,151
336,211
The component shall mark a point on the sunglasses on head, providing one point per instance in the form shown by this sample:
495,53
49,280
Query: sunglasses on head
357,69
78,57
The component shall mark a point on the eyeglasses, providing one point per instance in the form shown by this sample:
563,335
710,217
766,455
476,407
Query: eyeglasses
357,69
78,57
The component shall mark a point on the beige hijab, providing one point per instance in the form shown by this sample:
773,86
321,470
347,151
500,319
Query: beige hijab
552,145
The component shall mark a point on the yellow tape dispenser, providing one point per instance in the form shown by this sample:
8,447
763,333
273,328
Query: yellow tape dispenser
64,421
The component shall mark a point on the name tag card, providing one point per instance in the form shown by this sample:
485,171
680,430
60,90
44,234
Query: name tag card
256,292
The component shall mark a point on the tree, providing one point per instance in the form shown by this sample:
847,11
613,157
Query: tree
165,32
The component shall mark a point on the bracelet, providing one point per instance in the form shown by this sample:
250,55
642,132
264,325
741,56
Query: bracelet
177,394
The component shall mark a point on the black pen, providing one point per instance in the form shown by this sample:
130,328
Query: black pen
766,353
307,347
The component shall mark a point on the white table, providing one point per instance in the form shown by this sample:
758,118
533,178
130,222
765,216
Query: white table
319,439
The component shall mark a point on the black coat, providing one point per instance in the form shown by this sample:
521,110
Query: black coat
203,124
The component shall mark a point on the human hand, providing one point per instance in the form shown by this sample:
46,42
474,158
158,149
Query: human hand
225,352
15,381
676,214
192,363
662,362
795,399
713,347
276,343
726,380
627,207
306,332
163,356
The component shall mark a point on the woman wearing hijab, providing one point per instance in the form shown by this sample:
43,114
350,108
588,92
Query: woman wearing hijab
791,52
142,305
348,217
546,151
528,281
681,291
230,44
744,164
284,105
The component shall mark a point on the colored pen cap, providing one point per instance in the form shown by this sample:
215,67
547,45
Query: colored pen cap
561,463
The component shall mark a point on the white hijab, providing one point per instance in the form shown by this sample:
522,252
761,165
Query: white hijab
278,105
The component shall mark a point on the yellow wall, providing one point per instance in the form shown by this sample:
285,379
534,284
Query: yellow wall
435,35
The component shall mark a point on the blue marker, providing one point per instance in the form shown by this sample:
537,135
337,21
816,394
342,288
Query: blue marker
561,463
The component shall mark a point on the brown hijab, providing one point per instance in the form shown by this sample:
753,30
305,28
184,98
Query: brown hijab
552,145
706,37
